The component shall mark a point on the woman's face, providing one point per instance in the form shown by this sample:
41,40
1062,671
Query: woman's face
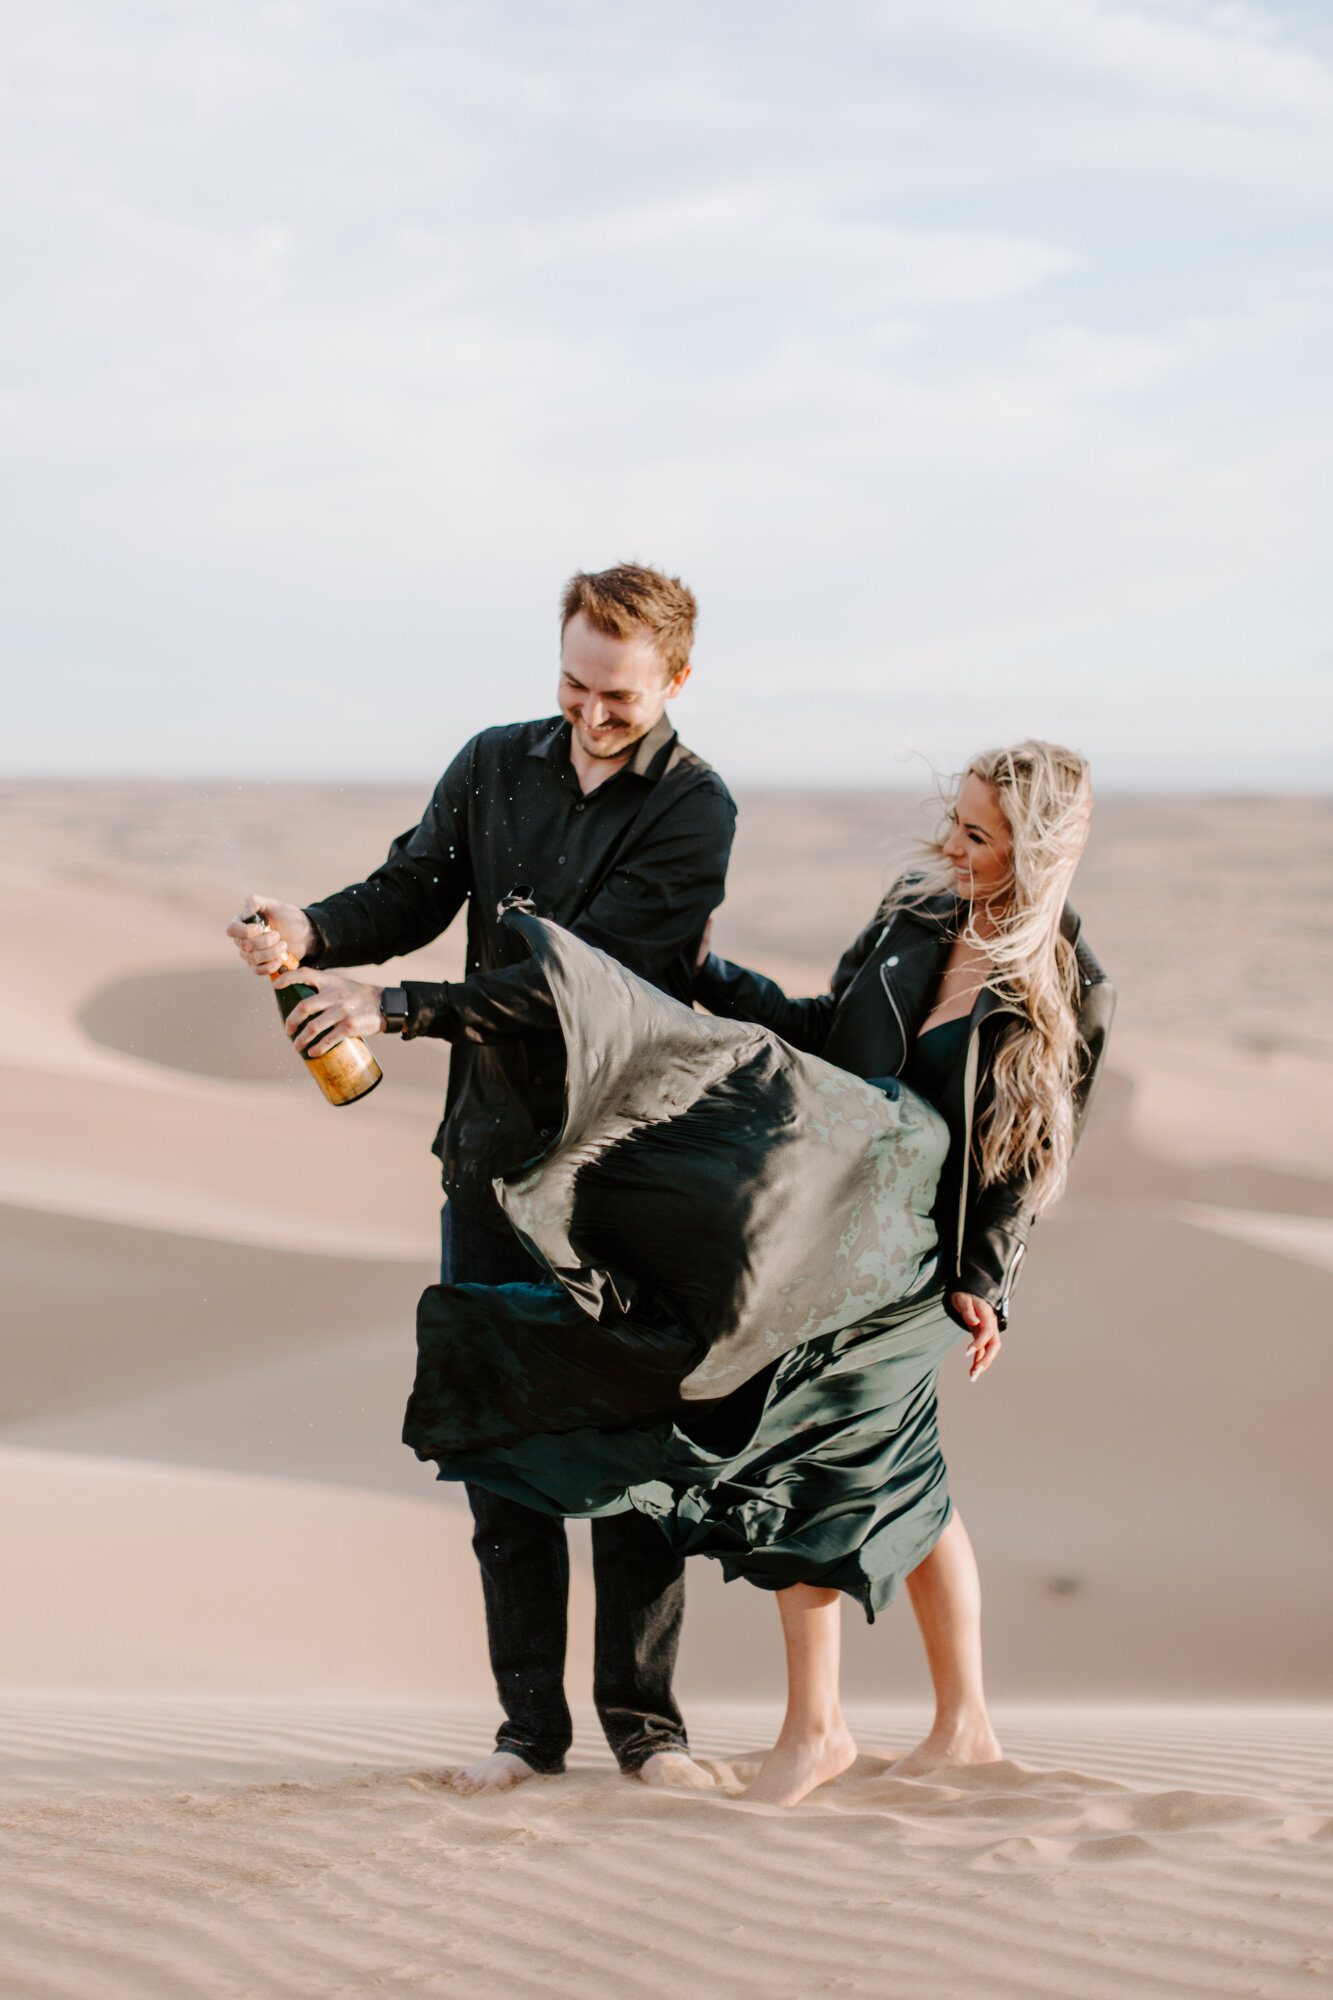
978,847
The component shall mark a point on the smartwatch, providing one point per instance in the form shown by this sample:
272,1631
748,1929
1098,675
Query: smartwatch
393,1006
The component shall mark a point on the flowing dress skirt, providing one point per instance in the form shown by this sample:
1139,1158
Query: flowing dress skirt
741,1330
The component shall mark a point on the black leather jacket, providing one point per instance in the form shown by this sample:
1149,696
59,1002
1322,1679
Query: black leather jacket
882,991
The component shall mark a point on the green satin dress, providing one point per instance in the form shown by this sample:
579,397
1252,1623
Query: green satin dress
743,1328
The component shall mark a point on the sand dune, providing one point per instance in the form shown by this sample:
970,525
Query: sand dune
1307,1238
206,1267
242,1163
99,1312
1147,1482
121,1575
248,1849
243,1631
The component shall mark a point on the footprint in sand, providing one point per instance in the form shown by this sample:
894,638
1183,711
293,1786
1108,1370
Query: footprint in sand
1186,1812
1027,1851
1114,1847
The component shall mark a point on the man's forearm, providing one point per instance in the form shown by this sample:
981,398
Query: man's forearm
373,921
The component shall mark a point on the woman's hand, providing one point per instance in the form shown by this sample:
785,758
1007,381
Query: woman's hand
985,1343
337,1008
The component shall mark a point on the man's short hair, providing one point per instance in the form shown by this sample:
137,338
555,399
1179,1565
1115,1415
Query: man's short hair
630,599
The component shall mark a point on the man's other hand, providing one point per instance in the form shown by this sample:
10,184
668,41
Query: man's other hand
264,946
337,1008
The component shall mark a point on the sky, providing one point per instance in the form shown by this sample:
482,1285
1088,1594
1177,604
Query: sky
971,359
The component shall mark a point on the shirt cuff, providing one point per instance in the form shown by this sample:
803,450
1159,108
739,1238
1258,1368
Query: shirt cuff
430,1012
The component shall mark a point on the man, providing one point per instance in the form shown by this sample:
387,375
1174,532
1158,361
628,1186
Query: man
610,826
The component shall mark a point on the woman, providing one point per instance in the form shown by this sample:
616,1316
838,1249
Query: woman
973,986
758,1262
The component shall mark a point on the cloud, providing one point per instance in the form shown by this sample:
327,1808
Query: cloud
1222,55
1200,89
969,340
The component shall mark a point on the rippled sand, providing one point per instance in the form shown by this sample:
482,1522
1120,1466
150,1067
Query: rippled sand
270,1850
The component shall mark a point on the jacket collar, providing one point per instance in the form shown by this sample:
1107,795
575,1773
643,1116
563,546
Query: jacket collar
943,914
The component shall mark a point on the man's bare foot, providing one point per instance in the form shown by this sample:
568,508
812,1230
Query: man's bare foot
499,1772
793,1769
675,1770
970,1740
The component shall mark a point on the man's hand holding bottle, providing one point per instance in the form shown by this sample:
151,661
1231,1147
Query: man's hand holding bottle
336,1008
264,946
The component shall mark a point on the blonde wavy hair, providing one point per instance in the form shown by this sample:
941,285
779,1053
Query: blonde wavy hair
1045,795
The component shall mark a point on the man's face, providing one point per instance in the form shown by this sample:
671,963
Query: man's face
612,691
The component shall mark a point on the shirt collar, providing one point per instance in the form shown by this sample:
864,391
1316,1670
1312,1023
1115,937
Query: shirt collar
650,747
553,744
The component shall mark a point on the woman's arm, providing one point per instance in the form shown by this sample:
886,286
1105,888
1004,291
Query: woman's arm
1096,1011
995,1240
737,994
1000,1217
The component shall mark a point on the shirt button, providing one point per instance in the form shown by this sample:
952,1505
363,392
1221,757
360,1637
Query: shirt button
560,860
581,806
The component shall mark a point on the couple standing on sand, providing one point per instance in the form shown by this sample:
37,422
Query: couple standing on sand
699,1270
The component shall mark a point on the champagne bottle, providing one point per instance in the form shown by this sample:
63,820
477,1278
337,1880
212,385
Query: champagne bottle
345,1072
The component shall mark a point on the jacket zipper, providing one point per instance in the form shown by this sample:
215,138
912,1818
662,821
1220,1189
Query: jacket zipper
887,984
1009,1277
969,1092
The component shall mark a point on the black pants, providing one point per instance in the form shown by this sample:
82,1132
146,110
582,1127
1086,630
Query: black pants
524,1558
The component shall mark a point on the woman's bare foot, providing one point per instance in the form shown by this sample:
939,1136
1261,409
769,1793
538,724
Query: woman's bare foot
499,1772
794,1767
966,1740
677,1771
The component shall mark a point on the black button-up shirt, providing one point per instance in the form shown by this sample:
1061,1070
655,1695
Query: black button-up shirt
635,867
